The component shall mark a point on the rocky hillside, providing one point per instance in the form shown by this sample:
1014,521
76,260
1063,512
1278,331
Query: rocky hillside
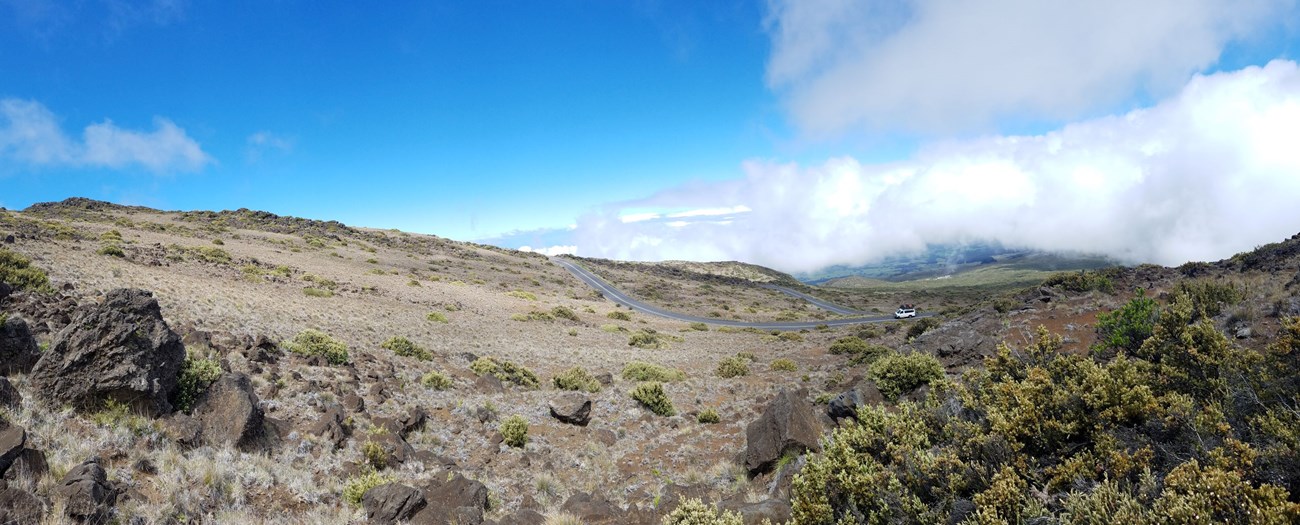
242,367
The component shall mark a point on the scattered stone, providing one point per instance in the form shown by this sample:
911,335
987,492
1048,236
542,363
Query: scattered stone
9,395
457,500
29,464
5,290
572,408
20,506
145,466
787,424
228,413
404,424
524,517
605,378
12,440
488,384
354,403
846,404
391,503
88,495
9,239
673,495
18,350
330,426
120,350
593,510
182,429
1244,332
396,450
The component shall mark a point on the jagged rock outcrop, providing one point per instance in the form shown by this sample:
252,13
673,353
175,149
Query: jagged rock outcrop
86,492
19,506
228,413
787,424
963,341
120,350
457,500
9,396
572,408
12,440
846,404
391,503
18,350
330,426
594,509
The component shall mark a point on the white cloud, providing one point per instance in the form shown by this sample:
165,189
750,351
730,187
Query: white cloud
31,134
1209,172
944,65
709,212
638,217
551,251
258,144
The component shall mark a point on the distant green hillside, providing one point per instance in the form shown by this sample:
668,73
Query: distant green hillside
995,263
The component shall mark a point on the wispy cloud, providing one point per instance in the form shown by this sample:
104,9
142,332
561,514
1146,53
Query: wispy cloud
31,134
938,66
258,144
1208,172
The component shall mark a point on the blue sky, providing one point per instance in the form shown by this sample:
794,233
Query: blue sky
473,120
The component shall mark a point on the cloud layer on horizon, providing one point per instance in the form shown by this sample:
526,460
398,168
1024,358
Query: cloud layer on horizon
936,66
31,134
1211,171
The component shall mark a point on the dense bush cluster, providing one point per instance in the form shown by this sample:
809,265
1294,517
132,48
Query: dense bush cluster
404,347
17,270
576,378
898,374
647,338
435,380
734,366
196,375
652,396
1083,281
505,371
1183,426
515,431
641,371
693,511
862,351
316,343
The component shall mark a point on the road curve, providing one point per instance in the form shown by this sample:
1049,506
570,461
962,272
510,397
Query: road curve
829,307
615,295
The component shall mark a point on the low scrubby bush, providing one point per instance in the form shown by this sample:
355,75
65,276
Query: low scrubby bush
195,377
505,371
576,378
17,270
357,487
111,250
784,365
642,371
515,431
897,374
619,315
435,380
404,347
527,296
436,317
734,366
694,512
316,343
708,416
921,326
652,396
647,338
561,312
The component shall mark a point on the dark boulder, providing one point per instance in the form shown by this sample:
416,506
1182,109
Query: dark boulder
87,494
19,506
524,517
29,464
18,350
846,404
12,440
330,426
391,503
120,350
9,395
594,510
404,424
788,424
572,408
228,413
457,500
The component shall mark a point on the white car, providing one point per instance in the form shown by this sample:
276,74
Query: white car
904,312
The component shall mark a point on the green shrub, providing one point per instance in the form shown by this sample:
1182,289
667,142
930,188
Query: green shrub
642,371
527,296
897,374
515,431
533,316
699,327
733,366
1081,281
18,271
619,315
790,337
848,345
405,348
195,377
784,365
317,292
111,236
870,331
211,254
374,455
646,338
560,312
320,282
282,271
1209,297
505,371
652,396
695,512
218,242
576,378
435,380
612,328
357,487
1126,328
316,343
112,250
921,326
708,416
436,317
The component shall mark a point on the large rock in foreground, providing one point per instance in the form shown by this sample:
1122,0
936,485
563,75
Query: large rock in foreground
229,413
18,351
391,503
120,350
787,424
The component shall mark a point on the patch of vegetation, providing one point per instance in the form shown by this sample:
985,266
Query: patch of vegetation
436,317
693,511
561,312
317,292
642,371
619,315
793,337
784,365
898,374
652,396
17,270
111,236
320,282
612,328
435,380
505,371
316,343
533,316
699,327
515,431
1082,281
115,414
527,296
576,378
921,326
196,375
1125,329
708,416
111,250
647,338
404,347
848,345
374,455
734,366
357,487
1208,297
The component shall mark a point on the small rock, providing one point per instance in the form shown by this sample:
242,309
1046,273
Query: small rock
330,426
1244,332
354,403
145,466
18,350
87,493
12,440
391,503
572,408
456,500
846,404
20,506
29,464
228,413
593,510
9,395
525,517
488,384
182,429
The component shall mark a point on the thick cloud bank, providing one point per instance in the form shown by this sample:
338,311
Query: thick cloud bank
934,66
1211,171
31,134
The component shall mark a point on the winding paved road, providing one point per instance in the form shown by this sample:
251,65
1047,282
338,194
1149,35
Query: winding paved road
615,295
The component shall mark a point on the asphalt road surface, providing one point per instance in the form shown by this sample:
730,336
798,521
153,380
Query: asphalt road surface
615,295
